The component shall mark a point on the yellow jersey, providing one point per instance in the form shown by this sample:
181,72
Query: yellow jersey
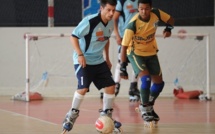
139,35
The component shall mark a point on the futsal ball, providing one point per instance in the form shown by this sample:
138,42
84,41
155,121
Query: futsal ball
104,125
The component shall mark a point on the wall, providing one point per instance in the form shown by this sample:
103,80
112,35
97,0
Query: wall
12,62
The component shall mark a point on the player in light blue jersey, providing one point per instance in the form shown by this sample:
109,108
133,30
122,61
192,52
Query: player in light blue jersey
125,10
89,40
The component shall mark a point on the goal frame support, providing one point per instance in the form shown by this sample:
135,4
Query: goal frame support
28,37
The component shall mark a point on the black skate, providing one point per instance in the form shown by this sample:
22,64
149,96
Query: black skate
117,89
134,93
70,119
108,112
156,117
146,113
101,95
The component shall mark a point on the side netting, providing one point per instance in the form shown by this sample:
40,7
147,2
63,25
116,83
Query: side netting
184,59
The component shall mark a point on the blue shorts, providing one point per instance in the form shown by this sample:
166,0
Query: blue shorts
100,75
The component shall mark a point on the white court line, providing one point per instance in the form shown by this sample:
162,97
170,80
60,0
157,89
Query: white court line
14,113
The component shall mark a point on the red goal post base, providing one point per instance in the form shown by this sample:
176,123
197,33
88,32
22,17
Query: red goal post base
33,96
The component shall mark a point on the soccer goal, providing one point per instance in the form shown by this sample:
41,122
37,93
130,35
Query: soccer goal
184,59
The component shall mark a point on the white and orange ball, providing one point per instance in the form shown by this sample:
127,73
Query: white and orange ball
104,125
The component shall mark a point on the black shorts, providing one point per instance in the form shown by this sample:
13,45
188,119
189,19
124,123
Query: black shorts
100,75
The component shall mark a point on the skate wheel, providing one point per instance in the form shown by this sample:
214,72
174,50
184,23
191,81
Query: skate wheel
149,124
117,131
155,123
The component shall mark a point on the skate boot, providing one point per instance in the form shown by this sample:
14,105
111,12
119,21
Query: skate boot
117,89
108,112
156,117
70,119
134,93
146,112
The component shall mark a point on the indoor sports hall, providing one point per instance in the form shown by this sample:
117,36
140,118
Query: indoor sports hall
37,76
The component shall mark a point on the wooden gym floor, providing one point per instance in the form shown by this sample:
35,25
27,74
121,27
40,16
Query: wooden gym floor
178,116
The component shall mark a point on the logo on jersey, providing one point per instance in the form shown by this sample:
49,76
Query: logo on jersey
100,35
140,28
147,39
130,8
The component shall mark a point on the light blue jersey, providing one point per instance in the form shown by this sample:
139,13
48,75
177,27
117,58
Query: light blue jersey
93,35
127,9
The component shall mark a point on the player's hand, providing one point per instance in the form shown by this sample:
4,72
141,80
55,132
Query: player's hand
82,61
118,40
166,34
109,64
123,70
167,31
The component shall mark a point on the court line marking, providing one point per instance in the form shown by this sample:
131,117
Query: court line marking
14,113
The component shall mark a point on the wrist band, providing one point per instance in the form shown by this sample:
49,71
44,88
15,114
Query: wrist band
168,28
80,55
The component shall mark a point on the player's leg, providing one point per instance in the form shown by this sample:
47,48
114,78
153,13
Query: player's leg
145,107
107,109
117,77
155,91
134,93
105,80
83,87
139,65
157,83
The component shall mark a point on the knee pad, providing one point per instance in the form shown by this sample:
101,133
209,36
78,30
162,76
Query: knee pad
146,82
157,88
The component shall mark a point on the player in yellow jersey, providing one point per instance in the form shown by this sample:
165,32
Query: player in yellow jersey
140,45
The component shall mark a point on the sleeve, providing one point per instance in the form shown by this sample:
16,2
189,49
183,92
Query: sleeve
163,16
129,33
119,7
82,29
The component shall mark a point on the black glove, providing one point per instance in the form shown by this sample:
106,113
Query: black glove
123,69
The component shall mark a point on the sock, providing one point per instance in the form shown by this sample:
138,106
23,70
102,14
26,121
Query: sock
117,77
108,100
144,93
77,100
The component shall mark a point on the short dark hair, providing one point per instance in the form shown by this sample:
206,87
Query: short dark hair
145,2
111,2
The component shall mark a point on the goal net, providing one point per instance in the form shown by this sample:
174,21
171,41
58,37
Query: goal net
184,59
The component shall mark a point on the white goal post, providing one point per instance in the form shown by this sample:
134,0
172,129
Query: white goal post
36,36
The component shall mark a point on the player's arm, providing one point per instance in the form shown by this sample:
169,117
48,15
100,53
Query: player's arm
116,30
106,51
169,27
79,32
167,19
127,38
123,64
76,46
